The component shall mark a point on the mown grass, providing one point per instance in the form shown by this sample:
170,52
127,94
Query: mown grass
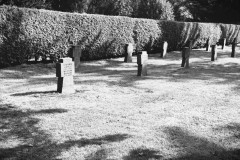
173,113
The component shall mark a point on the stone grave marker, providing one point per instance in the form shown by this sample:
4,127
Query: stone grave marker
142,58
208,45
190,44
64,71
185,57
75,53
164,52
223,43
234,47
128,53
214,53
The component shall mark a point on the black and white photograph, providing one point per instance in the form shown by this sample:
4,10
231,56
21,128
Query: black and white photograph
119,79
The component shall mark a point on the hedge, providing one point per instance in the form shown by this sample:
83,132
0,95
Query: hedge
31,32
178,34
230,32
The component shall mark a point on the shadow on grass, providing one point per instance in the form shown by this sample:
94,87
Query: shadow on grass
227,73
26,71
49,111
101,154
191,147
33,93
203,69
200,69
22,139
198,148
232,130
143,154
95,141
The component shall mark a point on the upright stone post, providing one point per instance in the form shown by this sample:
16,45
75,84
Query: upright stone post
75,53
208,45
128,53
214,53
164,51
185,57
234,47
142,58
223,43
64,71
190,44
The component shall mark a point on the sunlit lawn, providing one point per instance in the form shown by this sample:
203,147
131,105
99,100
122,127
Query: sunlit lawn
173,113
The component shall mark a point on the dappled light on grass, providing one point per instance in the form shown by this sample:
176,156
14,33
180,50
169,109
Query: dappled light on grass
34,142
193,147
173,113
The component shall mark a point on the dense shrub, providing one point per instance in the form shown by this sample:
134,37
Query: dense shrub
178,34
230,31
14,46
171,32
26,32
30,32
147,34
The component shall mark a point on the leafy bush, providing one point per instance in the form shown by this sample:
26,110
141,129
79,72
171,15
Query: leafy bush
230,31
179,34
30,32
14,46
146,34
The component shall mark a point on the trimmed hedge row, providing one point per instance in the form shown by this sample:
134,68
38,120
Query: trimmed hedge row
178,34
30,32
230,32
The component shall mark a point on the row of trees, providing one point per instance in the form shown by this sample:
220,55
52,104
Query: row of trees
227,11
154,9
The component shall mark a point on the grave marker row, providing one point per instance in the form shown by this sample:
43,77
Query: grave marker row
65,68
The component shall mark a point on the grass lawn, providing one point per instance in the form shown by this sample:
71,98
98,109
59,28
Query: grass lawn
171,114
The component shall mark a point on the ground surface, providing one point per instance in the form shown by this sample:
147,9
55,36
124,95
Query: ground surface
173,113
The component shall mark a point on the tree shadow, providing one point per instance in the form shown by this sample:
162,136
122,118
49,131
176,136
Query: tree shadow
94,141
101,154
33,93
201,68
199,148
232,132
21,138
143,154
27,71
49,111
20,126
225,73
